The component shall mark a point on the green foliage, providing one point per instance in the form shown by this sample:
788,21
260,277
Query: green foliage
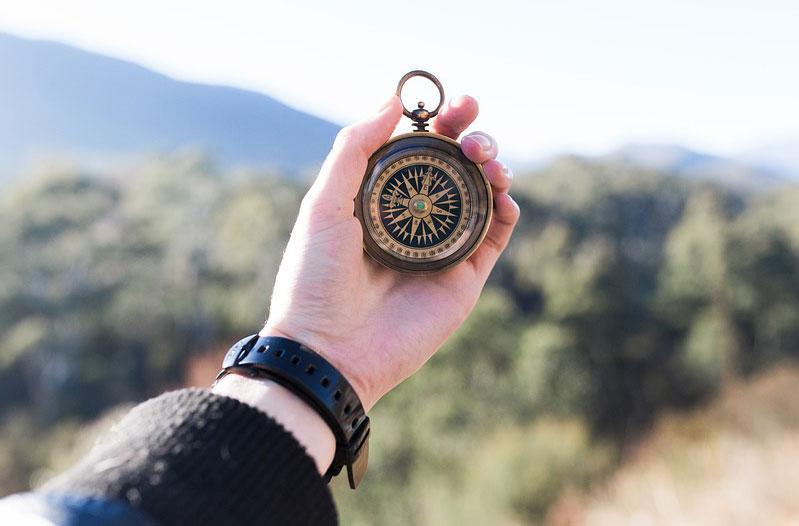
702,356
554,377
125,279
622,293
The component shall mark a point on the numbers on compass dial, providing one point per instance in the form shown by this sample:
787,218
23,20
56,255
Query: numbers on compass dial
420,205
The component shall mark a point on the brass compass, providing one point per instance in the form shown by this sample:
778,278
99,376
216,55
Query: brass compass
424,206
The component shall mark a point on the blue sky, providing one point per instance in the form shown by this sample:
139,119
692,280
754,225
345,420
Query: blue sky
582,76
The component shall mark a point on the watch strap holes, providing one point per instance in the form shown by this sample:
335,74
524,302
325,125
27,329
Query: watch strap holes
347,409
310,369
325,381
279,353
337,395
295,360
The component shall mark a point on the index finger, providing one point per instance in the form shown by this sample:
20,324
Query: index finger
456,116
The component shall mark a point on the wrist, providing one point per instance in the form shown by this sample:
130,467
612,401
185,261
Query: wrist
327,350
286,408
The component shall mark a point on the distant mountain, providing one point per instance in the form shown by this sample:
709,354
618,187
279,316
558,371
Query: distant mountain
782,157
683,162
56,99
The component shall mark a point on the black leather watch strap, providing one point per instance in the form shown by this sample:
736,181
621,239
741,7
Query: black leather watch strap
314,379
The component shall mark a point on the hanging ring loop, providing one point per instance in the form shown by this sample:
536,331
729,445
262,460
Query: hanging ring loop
420,115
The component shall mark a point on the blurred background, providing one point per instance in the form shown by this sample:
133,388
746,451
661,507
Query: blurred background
633,358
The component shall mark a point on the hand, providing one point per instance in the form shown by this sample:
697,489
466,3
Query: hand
375,325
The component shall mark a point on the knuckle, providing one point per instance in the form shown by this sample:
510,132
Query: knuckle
311,199
347,134
510,219
350,138
493,244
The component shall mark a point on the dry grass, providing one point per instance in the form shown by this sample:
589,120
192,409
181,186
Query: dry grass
734,462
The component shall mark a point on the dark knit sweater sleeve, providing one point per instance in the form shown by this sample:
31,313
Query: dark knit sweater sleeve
193,457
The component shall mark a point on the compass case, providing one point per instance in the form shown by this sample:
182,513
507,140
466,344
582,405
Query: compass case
423,205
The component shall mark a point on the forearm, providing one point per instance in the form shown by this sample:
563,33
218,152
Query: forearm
287,409
197,457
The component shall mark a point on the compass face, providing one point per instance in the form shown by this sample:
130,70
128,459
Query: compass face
419,207
424,206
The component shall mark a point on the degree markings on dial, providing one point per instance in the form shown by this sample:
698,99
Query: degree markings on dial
434,233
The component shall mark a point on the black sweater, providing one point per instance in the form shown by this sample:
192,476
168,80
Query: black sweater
193,457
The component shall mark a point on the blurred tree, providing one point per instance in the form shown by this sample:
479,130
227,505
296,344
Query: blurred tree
623,292
695,289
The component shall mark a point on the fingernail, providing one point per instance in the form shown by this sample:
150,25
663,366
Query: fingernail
482,140
508,173
457,102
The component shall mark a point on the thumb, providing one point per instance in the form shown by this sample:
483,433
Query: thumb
342,172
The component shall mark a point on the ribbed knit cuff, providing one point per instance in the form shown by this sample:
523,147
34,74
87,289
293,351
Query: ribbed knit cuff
193,457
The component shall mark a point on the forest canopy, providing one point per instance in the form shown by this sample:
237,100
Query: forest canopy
624,292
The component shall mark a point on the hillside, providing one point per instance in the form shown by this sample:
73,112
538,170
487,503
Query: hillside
56,100
60,102
749,174
734,461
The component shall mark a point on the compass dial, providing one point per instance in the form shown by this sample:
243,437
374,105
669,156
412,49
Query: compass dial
423,205
419,207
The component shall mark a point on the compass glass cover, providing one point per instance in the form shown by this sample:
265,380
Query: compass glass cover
418,207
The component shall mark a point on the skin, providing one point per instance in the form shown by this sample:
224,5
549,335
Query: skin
374,325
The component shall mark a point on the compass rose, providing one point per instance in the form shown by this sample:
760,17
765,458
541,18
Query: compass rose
420,206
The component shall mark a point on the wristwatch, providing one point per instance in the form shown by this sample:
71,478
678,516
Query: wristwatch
322,386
